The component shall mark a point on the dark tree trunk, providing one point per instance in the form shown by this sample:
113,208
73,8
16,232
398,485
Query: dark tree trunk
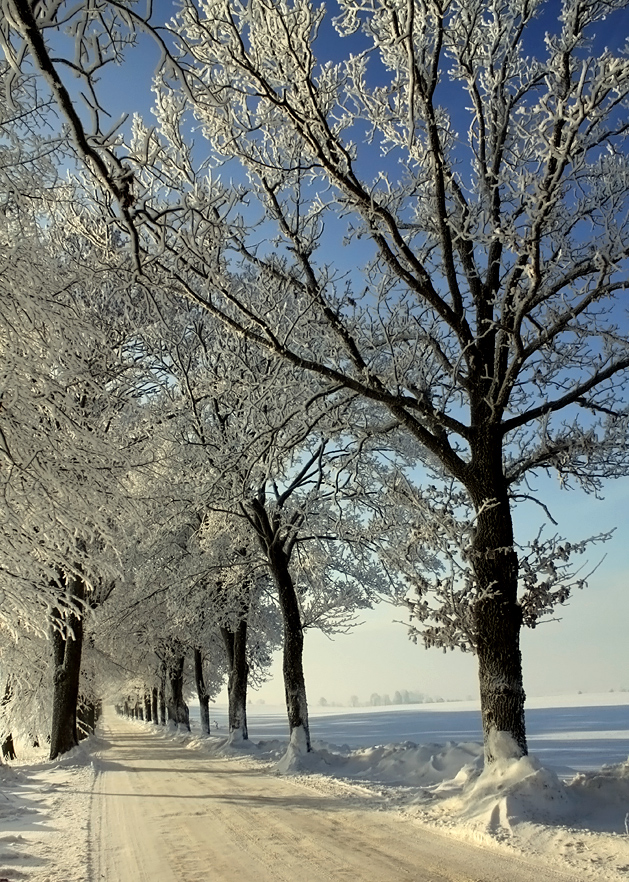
293,649
177,707
147,706
8,748
67,643
202,693
162,699
277,553
126,708
498,617
155,705
236,650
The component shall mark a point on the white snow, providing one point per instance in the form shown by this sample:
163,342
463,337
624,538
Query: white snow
44,818
295,757
569,808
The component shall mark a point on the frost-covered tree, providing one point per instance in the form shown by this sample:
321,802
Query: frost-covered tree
61,460
486,321
478,173
248,436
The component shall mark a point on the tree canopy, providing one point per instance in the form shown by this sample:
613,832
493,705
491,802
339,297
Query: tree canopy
476,176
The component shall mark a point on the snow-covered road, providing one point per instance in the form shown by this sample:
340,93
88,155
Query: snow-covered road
162,812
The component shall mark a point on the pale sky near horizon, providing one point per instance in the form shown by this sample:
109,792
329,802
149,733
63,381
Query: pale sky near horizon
586,650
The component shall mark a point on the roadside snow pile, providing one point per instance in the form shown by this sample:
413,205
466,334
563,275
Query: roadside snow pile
517,789
296,753
517,803
601,799
512,789
406,764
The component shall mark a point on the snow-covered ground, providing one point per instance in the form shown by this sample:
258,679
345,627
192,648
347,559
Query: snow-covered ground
568,803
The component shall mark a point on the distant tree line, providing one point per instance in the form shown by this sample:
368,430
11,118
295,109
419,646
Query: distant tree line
400,696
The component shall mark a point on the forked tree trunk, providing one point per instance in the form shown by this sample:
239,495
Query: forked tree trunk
293,647
177,708
498,619
236,650
67,644
155,706
202,693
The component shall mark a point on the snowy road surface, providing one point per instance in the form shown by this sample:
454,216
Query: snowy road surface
164,813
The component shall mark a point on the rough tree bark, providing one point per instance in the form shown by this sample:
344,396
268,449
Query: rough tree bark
293,645
67,645
155,705
498,616
177,708
202,693
8,748
235,642
278,557
147,706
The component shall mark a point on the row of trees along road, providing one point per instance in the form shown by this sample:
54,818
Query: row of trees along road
467,335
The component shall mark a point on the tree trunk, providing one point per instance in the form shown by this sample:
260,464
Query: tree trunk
67,642
292,663
498,619
155,705
177,707
8,748
236,649
204,698
162,700
147,706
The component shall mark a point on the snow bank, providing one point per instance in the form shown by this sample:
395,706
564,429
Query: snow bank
296,757
511,789
516,803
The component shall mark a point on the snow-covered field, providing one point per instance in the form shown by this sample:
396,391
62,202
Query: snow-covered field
567,803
